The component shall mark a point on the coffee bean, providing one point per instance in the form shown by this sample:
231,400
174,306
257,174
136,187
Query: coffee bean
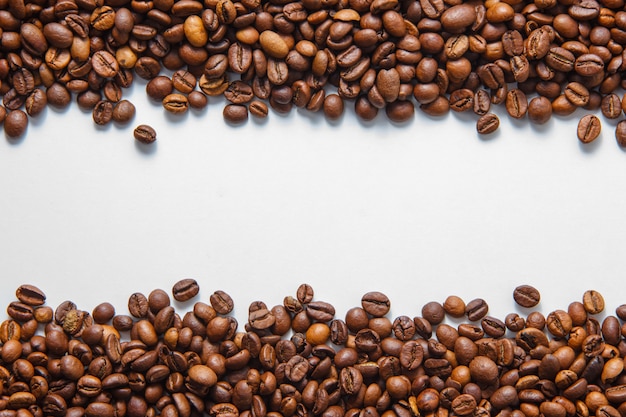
221,302
102,113
526,296
145,134
487,123
593,302
516,103
30,295
138,305
589,128
175,103
611,106
399,111
620,133
320,311
577,93
375,303
235,113
476,309
15,123
539,110
185,289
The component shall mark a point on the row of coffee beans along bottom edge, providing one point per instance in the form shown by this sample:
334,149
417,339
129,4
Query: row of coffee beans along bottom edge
298,359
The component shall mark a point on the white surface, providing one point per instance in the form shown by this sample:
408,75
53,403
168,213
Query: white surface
418,211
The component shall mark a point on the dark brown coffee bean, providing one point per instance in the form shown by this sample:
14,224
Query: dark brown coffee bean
15,124
589,128
482,103
258,109
462,100
102,113
320,311
493,327
185,289
159,87
333,106
30,295
620,133
367,340
138,305
433,312
476,309
487,123
123,112
145,134
19,311
235,113
526,296
375,303
221,302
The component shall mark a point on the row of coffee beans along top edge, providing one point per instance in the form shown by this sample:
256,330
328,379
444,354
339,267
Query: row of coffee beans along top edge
535,58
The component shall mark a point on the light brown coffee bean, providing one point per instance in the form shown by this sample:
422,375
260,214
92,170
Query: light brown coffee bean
589,128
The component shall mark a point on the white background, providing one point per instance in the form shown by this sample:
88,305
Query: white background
418,211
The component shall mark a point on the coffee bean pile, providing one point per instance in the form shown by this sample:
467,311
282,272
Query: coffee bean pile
298,359
536,58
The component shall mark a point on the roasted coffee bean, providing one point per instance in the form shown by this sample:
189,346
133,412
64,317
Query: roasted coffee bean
593,300
539,110
589,128
258,109
516,103
239,92
221,302
103,112
375,303
620,133
333,106
30,295
185,289
577,94
235,113
526,296
138,305
476,309
175,103
145,134
320,311
123,112
611,106
15,123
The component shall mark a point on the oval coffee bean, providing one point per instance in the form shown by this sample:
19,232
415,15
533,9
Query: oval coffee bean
526,296
185,289
589,128
145,134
